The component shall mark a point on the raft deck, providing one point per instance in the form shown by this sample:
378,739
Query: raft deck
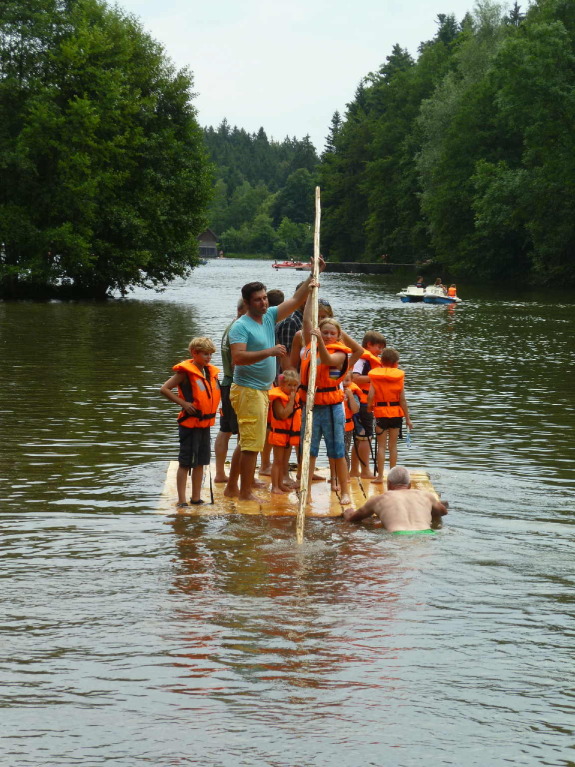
324,502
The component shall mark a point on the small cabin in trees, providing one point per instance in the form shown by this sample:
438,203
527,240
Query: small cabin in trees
208,243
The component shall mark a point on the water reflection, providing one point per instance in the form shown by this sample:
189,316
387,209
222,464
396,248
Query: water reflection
134,637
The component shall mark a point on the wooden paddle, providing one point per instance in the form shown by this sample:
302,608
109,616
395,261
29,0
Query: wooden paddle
304,481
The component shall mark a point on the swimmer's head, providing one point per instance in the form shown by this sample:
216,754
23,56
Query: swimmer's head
398,477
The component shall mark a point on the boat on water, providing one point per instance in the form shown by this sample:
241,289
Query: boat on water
290,265
433,294
412,294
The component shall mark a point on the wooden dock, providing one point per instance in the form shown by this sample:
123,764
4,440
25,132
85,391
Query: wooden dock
324,502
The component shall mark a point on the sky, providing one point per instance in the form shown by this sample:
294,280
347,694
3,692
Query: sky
285,66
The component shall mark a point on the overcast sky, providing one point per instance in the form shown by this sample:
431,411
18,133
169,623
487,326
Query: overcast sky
285,66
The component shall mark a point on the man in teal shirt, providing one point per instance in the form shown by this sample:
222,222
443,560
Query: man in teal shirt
254,353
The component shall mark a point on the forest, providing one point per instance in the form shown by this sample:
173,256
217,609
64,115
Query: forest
462,155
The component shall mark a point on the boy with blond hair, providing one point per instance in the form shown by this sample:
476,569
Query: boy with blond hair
199,398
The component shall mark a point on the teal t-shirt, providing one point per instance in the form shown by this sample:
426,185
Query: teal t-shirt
259,375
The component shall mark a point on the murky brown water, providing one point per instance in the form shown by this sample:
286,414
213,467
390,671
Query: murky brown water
132,638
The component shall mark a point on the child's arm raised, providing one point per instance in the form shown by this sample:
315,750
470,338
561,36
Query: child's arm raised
356,349
334,360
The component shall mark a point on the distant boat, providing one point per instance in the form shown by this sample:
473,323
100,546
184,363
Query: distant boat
290,265
411,294
434,294
431,295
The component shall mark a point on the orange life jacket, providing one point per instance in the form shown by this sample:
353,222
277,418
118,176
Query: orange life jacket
451,291
374,362
202,390
388,385
327,391
348,414
283,431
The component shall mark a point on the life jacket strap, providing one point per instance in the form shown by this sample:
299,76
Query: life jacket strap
203,417
387,404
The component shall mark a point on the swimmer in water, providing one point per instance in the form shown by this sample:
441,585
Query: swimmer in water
402,509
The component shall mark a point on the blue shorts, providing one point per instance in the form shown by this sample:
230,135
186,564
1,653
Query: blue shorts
328,422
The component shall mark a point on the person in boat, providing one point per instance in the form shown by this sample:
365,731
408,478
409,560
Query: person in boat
439,284
402,509
254,351
452,291
419,283
373,344
228,418
333,347
386,399
284,428
199,398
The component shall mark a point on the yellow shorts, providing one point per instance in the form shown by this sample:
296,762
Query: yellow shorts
251,406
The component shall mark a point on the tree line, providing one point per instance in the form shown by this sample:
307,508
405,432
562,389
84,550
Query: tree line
465,155
263,201
462,155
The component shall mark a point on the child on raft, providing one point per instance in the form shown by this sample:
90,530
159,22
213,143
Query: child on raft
333,347
386,399
351,404
373,344
199,398
283,428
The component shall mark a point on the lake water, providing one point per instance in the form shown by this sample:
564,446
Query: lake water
133,638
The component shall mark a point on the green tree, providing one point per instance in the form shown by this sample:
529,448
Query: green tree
103,177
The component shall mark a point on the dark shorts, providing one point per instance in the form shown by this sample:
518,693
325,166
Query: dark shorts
363,423
194,447
228,418
383,424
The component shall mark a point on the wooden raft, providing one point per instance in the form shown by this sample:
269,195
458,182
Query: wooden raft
324,502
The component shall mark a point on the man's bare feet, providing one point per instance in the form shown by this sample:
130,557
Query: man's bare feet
220,479
232,492
279,491
377,481
266,471
345,500
367,475
259,483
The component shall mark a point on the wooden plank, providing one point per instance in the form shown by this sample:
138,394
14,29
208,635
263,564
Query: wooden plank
324,503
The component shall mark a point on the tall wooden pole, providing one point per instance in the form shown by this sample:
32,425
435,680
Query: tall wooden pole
305,479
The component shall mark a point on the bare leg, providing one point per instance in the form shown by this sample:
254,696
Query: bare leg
265,463
354,470
181,484
333,477
364,458
381,446
343,479
393,435
221,452
232,488
248,461
197,475
278,470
